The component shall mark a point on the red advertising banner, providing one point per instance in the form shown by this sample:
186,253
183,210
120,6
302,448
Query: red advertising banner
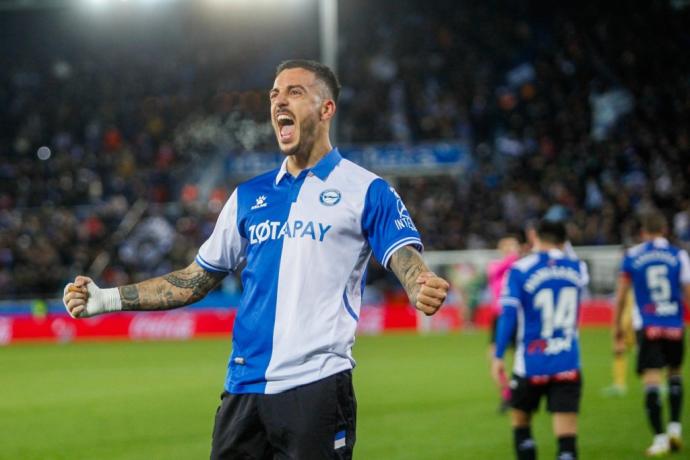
192,323
178,325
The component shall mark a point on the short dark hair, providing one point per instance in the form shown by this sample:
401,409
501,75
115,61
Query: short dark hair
653,222
551,231
322,72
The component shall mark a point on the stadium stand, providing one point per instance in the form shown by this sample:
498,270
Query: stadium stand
567,112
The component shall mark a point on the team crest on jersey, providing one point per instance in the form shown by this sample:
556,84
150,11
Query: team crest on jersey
260,203
330,197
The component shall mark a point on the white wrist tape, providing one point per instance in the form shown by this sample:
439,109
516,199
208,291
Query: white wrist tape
111,299
102,300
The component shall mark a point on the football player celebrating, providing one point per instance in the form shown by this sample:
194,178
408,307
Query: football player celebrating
306,231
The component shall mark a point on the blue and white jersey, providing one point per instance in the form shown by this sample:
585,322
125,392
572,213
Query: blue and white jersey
657,271
307,241
541,298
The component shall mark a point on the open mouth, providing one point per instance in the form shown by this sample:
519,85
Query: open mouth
286,127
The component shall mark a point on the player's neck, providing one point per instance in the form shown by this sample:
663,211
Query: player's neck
652,236
303,160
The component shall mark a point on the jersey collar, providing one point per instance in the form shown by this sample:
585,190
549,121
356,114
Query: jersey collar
660,242
555,253
321,169
324,167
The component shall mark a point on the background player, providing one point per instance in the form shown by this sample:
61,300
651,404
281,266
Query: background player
541,301
306,231
619,367
659,274
496,273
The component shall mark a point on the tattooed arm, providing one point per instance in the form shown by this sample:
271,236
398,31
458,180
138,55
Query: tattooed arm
425,290
173,290
177,289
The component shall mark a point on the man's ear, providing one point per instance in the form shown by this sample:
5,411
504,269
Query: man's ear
327,109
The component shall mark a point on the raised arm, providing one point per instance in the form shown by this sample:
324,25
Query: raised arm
176,289
425,290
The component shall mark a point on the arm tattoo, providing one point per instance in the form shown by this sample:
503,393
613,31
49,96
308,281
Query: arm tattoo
200,283
130,297
173,290
407,264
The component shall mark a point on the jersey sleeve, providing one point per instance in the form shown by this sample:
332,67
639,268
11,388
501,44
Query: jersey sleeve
505,328
511,292
386,223
584,274
225,249
684,267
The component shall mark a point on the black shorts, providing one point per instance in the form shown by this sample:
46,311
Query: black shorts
310,422
493,328
561,396
658,353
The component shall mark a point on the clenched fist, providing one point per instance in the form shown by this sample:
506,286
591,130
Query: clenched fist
433,291
83,298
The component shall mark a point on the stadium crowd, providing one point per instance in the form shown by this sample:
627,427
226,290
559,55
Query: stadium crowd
579,112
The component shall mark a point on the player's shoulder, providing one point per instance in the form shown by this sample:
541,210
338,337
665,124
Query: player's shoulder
566,258
252,193
679,254
350,171
664,244
527,262
636,250
357,178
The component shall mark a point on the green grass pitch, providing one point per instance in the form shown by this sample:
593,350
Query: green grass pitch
420,397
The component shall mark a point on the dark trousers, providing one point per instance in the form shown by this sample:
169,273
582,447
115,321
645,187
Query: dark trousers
310,422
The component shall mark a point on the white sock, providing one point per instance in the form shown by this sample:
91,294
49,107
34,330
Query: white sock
674,428
661,438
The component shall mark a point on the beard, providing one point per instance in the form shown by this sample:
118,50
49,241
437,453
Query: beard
307,137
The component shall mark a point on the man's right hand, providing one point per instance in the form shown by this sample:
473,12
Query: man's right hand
83,298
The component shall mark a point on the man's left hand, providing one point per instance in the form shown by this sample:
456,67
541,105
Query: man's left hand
498,372
433,291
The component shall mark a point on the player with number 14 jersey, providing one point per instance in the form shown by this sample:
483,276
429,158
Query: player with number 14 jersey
541,302
543,289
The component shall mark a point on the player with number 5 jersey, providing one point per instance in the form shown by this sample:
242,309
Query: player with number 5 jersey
541,300
657,270
659,275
